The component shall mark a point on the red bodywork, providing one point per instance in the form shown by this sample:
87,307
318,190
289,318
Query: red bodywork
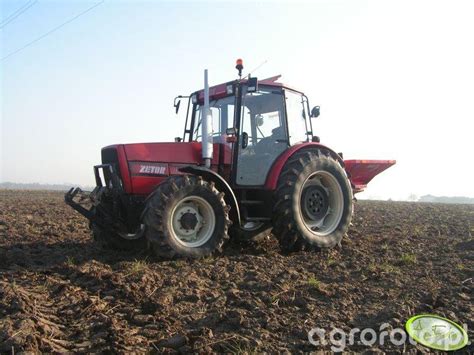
143,166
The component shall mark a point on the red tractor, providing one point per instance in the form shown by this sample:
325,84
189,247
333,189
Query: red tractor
248,164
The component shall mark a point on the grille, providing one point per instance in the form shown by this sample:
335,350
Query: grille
110,156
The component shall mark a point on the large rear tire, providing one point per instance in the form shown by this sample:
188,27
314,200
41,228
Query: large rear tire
313,202
186,216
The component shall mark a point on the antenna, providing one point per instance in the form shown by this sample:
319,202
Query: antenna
255,69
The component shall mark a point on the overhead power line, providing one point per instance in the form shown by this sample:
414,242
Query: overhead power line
17,13
2,22
52,30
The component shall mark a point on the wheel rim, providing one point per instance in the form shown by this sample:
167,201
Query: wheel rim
193,221
321,203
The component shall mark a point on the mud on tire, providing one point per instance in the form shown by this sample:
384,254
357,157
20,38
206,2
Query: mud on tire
186,216
313,202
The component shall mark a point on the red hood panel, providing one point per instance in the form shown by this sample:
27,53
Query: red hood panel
165,152
149,164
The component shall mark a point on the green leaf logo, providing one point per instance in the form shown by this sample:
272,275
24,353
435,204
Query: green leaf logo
436,332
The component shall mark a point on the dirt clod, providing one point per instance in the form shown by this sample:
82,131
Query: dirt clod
175,342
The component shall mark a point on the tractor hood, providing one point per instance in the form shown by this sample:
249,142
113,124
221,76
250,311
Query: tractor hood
142,166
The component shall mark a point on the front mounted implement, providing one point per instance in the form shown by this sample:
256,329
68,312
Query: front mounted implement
106,205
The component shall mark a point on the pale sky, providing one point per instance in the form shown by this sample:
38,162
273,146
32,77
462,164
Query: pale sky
394,79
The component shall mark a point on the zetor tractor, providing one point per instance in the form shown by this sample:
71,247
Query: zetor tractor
248,164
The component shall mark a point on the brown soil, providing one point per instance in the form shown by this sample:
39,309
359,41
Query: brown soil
59,292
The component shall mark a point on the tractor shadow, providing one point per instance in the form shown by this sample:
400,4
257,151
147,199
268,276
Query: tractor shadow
39,256
267,245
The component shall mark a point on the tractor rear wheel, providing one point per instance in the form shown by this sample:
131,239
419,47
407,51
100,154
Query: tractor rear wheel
313,206
186,216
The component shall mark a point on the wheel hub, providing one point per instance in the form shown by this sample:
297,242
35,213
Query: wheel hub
315,202
189,220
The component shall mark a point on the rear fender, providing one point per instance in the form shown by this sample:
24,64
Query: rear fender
221,185
274,174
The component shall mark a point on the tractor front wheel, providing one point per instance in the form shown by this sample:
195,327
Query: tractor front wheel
186,216
313,206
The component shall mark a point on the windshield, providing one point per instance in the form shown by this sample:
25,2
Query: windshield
222,111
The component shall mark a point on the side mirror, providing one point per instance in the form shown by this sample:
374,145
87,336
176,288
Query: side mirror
259,120
177,102
315,111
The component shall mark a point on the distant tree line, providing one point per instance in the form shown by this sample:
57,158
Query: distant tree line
38,186
446,199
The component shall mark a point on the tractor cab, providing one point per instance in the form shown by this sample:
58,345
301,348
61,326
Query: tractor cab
256,121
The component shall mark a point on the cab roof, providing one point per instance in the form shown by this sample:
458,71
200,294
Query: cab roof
220,91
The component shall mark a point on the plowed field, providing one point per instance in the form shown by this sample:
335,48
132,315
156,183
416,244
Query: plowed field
59,292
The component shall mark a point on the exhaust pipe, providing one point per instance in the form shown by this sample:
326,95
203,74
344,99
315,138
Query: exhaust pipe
207,147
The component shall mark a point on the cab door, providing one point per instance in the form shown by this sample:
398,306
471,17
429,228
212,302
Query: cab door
263,135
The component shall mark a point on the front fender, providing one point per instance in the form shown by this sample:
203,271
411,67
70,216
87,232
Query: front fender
221,185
